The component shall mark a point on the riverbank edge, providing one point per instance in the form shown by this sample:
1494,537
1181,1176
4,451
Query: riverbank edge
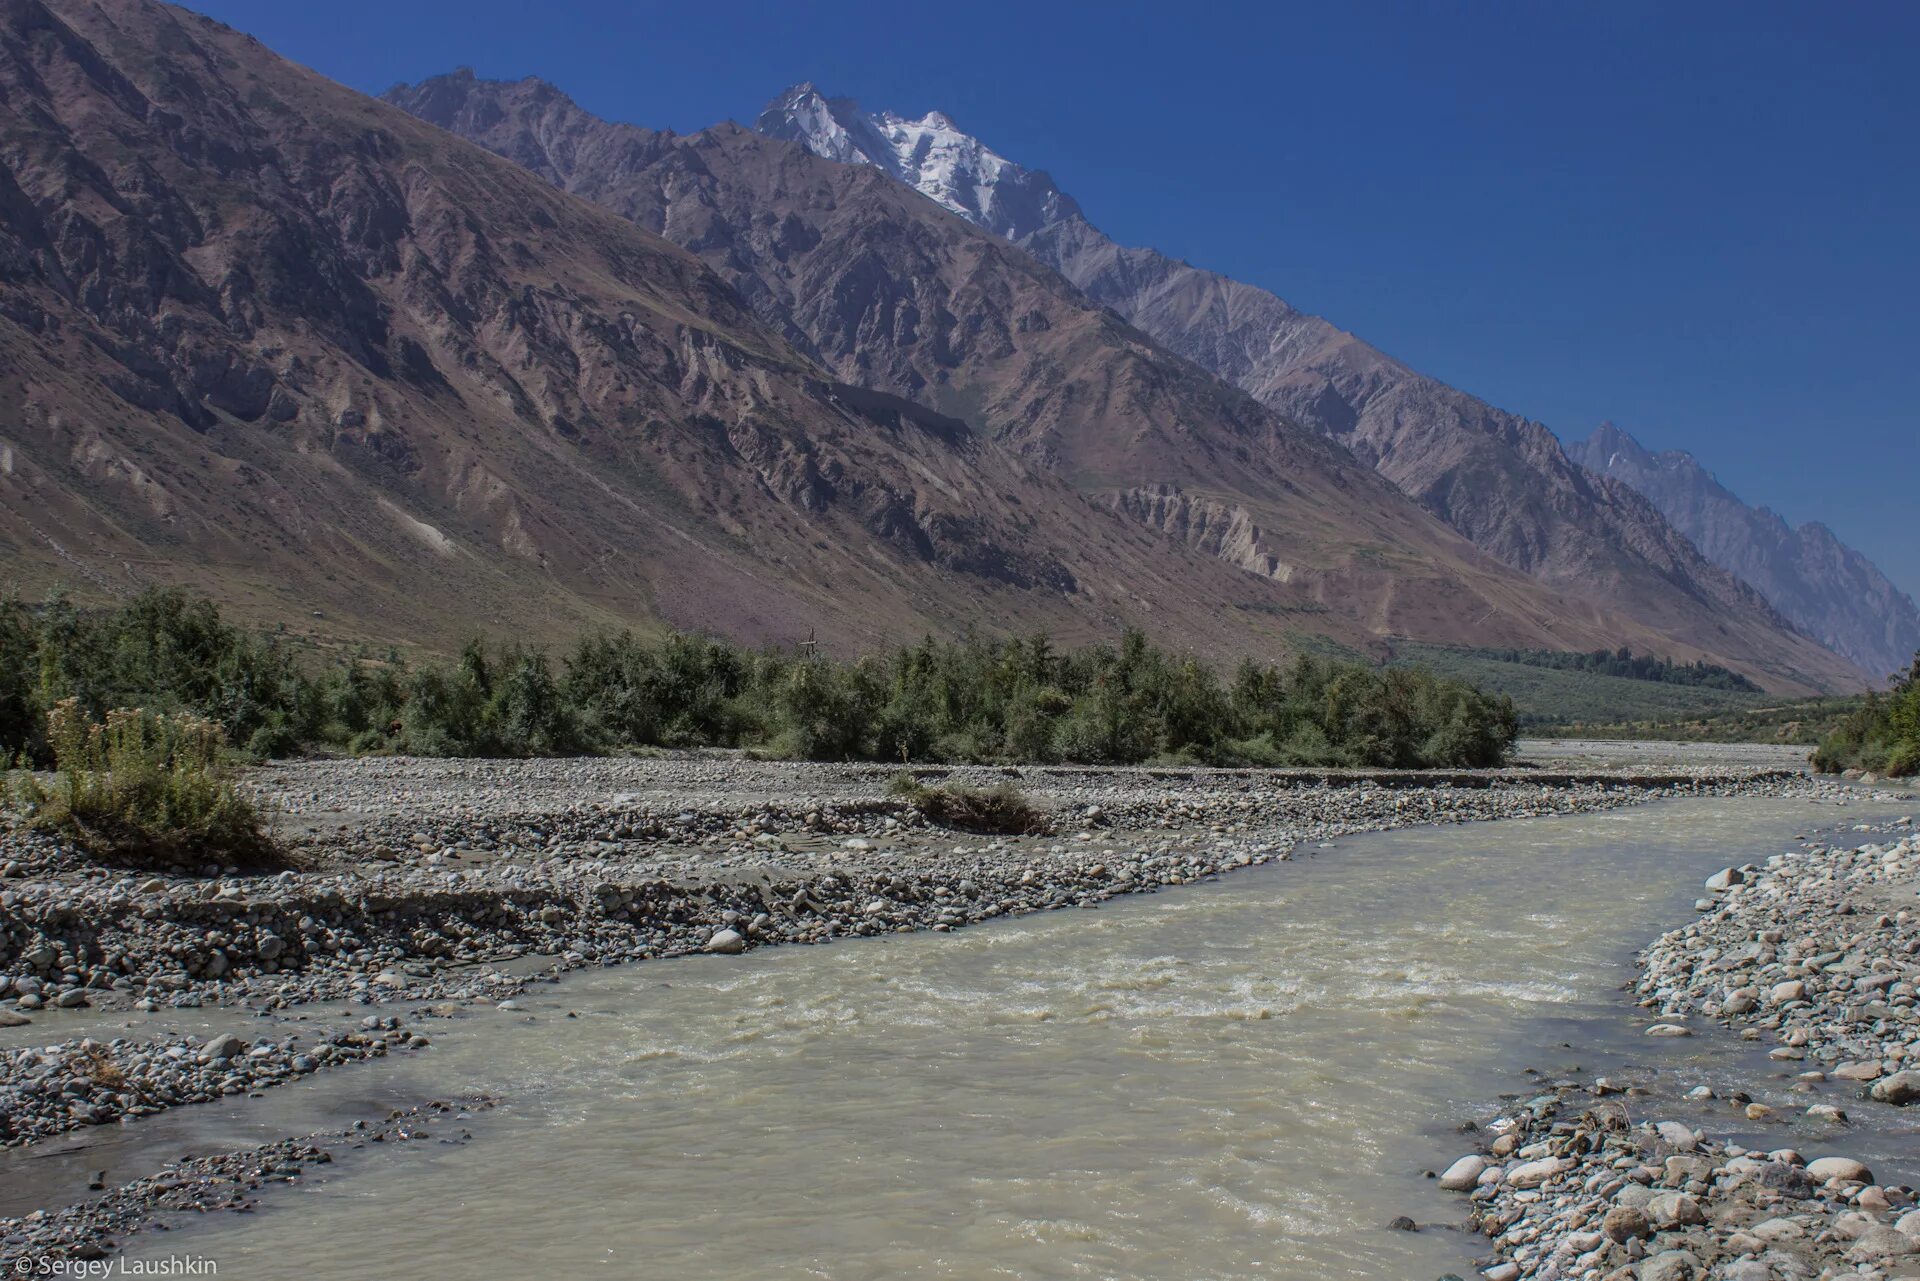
836,906
1568,1187
227,1181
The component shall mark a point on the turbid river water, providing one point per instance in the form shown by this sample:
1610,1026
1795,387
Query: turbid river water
1240,1079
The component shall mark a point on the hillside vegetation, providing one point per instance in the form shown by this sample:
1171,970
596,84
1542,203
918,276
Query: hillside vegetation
1625,663
1020,700
1882,734
1573,689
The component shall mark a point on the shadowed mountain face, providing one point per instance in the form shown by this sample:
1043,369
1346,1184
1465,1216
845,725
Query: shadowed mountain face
268,337
1829,590
1501,480
887,290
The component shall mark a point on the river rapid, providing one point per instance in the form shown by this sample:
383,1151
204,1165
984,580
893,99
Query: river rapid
1246,1078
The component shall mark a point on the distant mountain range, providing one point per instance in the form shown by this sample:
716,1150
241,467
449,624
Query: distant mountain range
268,337
1830,591
1500,479
873,287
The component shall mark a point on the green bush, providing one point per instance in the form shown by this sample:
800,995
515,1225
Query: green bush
143,788
1882,735
967,700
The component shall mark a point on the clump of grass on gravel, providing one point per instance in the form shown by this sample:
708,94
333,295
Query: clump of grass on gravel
1001,810
143,788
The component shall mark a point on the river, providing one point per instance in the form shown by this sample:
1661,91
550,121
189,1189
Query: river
1245,1078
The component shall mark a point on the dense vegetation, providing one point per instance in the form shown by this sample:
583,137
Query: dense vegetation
1627,665
143,787
1799,722
1547,697
1882,735
970,700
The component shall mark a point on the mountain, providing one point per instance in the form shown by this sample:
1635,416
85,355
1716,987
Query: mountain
930,155
267,337
892,291
1500,479
1829,590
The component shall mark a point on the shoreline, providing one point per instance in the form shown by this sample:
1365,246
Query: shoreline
1811,951
781,869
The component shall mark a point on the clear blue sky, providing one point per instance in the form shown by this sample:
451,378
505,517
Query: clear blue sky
1701,220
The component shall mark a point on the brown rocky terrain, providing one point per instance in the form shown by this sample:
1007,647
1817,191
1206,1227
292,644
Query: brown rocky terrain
1498,478
889,290
270,337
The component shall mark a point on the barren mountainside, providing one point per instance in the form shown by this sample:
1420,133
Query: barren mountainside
1829,590
269,337
1498,478
889,291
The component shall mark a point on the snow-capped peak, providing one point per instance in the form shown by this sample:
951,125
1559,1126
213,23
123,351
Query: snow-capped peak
930,154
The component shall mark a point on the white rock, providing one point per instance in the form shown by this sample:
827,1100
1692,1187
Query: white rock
1464,1173
1843,1168
726,942
1532,1174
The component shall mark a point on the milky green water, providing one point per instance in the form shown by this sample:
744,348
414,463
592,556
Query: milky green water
1241,1079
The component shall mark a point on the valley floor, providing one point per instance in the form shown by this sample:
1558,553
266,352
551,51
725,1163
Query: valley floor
426,888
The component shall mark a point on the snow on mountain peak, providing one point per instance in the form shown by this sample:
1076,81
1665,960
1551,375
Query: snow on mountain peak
931,155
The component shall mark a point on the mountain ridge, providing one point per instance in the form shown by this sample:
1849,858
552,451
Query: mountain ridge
1502,480
1832,592
882,285
273,339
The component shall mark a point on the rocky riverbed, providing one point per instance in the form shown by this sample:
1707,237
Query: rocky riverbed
225,1182
460,882
1813,950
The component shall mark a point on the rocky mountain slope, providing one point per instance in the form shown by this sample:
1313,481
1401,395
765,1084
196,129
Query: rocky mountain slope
888,291
274,339
266,336
1498,478
1829,590
880,286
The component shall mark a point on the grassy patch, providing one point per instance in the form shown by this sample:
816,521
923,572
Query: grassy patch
143,789
1554,696
1800,723
1000,810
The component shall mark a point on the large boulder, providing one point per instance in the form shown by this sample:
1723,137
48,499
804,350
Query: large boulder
1899,1089
726,942
1843,1168
1463,1174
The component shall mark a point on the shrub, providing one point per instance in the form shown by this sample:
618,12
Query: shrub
143,788
974,699
1000,810
1883,734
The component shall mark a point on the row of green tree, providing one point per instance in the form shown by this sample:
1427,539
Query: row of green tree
1883,734
1018,700
1625,663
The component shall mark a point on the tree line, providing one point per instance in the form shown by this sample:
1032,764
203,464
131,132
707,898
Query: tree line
1882,735
1623,662
976,699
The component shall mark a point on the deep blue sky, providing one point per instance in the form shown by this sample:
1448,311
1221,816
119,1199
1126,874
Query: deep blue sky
1700,220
